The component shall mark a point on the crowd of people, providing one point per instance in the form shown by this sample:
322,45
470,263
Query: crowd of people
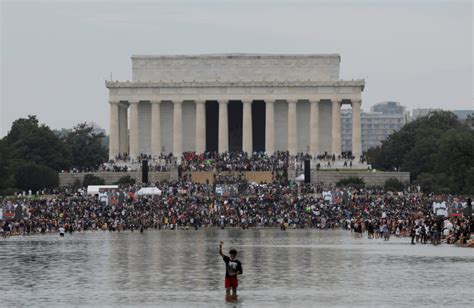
229,161
233,161
183,205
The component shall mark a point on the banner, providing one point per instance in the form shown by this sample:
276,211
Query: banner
327,195
440,209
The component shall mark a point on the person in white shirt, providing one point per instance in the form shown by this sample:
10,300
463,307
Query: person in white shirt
61,231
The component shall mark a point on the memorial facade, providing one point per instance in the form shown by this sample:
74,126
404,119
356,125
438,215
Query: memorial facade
232,102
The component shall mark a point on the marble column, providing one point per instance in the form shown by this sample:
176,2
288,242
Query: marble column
336,127
177,129
200,126
269,127
114,130
223,138
123,128
155,128
356,133
314,128
134,142
292,138
247,142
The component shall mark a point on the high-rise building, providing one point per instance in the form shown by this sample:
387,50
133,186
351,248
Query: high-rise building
421,112
463,114
376,125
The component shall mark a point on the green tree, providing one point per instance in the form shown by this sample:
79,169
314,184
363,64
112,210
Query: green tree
470,120
4,174
351,181
469,182
85,147
437,150
76,184
455,157
90,179
126,181
36,177
394,185
31,142
437,183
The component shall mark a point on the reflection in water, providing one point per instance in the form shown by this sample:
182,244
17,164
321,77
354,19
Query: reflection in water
180,268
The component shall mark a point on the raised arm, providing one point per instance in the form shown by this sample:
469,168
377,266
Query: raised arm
220,249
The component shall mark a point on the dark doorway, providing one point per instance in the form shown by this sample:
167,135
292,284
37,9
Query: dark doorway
212,125
258,126
235,126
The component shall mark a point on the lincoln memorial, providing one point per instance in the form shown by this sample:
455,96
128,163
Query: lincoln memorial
232,102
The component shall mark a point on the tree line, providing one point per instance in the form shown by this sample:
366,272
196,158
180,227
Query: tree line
32,154
437,150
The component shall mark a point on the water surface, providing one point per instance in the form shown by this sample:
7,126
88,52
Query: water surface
182,268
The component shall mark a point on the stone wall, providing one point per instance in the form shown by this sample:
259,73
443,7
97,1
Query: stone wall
377,178
231,67
327,177
67,179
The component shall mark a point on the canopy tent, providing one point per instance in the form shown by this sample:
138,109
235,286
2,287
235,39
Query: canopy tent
154,191
300,178
94,189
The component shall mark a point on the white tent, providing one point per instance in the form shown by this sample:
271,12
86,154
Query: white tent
94,189
149,191
300,178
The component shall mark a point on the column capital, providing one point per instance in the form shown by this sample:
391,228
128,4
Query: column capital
200,101
114,102
155,101
268,102
223,102
315,102
356,101
123,104
247,101
133,102
292,101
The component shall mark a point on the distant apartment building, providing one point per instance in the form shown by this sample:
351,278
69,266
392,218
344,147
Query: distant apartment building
96,129
383,119
421,112
463,114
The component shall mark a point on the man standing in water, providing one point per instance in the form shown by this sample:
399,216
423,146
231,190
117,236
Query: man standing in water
233,267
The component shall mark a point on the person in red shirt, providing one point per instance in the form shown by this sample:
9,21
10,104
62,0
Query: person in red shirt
233,268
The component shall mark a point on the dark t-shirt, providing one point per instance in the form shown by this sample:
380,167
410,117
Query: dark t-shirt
231,266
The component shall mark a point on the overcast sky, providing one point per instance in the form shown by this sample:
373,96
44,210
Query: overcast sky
55,55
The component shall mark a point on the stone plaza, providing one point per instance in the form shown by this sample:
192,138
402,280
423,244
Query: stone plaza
233,102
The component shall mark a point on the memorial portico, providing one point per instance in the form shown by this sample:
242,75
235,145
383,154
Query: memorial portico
217,102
